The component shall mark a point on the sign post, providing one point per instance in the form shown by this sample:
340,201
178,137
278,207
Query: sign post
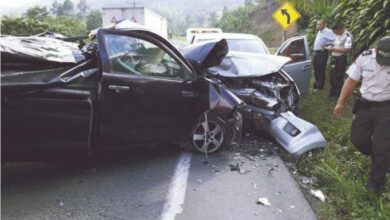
286,16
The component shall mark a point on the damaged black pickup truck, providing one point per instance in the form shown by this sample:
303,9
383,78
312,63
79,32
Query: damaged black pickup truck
130,88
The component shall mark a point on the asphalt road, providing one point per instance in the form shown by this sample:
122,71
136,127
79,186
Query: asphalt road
156,183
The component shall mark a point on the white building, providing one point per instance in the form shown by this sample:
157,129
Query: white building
140,15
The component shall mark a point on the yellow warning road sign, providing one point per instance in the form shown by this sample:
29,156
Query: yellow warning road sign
286,15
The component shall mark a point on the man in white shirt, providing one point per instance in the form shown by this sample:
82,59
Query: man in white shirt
340,48
370,129
324,37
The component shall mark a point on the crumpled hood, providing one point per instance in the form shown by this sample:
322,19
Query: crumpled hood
240,64
207,54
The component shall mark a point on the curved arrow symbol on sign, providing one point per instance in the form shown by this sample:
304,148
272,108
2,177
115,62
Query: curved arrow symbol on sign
284,12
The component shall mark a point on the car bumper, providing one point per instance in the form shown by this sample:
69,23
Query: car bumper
294,134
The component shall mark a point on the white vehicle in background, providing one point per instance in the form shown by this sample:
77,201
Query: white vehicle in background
296,48
191,32
237,42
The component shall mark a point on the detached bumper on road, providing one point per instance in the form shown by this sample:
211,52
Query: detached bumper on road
295,135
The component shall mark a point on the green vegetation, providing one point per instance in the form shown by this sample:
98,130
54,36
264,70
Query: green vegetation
372,16
367,20
341,170
63,19
255,17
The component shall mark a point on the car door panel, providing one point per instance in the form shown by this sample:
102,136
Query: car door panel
300,67
47,120
141,108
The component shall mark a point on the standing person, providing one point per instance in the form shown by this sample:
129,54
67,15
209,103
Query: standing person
371,125
340,49
324,37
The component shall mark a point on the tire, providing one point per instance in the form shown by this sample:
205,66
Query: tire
213,134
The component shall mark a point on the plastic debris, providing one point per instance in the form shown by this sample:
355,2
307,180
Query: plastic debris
199,181
318,193
271,169
237,167
254,185
61,203
308,180
250,157
263,201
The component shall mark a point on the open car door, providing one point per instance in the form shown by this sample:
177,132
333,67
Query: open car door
148,92
299,68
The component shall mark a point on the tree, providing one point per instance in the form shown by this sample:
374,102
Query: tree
238,20
37,12
56,8
83,8
24,26
248,2
67,8
213,18
94,20
367,20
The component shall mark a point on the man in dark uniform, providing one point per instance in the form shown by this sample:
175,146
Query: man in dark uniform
370,130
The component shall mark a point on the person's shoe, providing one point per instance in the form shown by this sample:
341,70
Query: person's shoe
373,187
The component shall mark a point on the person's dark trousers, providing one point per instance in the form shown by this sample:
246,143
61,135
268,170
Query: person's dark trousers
370,133
337,75
320,60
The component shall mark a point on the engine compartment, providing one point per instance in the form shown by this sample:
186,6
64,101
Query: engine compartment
272,92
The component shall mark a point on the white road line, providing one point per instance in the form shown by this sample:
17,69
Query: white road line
177,188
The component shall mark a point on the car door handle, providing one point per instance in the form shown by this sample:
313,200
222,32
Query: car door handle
119,88
306,67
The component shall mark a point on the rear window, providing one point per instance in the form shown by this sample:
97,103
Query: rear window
251,46
243,45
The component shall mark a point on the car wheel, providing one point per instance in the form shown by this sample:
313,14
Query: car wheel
209,135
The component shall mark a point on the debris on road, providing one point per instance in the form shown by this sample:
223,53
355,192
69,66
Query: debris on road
250,158
263,201
308,180
61,204
254,186
271,169
237,167
318,193
199,181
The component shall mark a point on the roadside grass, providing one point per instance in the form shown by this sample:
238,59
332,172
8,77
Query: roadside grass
341,170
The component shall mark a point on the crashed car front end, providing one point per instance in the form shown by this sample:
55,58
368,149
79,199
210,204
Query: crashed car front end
272,98
272,92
